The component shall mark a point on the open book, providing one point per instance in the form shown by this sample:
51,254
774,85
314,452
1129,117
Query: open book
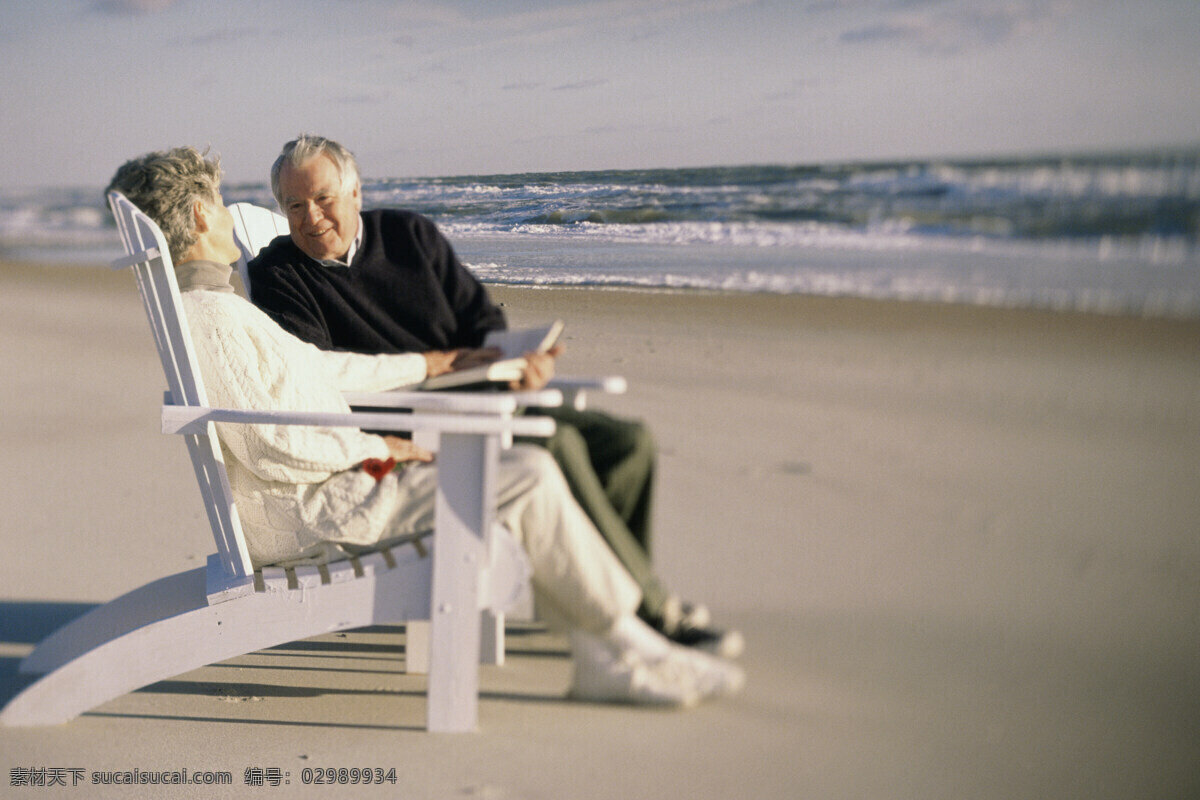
513,346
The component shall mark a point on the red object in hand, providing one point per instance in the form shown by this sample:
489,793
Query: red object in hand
377,468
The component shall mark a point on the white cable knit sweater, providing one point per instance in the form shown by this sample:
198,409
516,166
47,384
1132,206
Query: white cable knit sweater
299,489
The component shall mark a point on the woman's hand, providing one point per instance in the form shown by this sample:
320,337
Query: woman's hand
404,450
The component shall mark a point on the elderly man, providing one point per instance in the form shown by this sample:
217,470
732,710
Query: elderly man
306,494
386,281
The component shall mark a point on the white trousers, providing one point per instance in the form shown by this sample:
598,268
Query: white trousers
577,580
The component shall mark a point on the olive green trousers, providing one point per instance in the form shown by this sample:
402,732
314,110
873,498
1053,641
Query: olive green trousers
609,466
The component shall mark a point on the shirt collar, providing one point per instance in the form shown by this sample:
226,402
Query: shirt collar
210,275
333,262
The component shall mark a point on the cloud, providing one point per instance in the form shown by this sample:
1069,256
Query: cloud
608,130
936,26
882,32
222,35
365,98
794,91
428,14
483,27
132,6
636,14
590,83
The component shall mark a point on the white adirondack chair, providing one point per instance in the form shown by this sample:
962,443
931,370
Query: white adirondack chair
205,615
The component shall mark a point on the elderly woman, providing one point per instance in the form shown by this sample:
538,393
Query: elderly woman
304,495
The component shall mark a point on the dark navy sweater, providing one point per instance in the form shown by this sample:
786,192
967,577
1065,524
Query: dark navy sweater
404,291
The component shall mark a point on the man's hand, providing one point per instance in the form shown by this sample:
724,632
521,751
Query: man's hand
404,450
539,370
439,362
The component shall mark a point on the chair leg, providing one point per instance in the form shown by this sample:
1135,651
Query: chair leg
491,638
463,519
416,646
417,639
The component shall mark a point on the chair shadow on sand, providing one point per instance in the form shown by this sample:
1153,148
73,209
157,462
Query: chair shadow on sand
27,622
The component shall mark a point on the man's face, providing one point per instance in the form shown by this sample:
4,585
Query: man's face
322,213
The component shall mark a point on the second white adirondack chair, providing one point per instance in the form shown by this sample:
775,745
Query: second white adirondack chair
208,614
253,229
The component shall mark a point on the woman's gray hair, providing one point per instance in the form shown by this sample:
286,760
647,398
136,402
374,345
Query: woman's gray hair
306,147
165,185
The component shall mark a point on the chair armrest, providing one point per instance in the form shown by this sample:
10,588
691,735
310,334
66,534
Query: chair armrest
559,392
195,419
456,402
574,389
609,384
542,398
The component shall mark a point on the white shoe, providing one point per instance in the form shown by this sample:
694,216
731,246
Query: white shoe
629,679
608,669
715,677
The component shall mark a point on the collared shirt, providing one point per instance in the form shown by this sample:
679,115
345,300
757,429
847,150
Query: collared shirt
333,262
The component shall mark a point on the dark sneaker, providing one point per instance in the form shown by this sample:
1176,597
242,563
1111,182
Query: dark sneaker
726,644
689,625
676,612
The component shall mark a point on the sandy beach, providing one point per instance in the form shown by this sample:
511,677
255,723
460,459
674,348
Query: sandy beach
961,544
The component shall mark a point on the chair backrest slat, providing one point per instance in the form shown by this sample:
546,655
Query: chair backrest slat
160,298
253,229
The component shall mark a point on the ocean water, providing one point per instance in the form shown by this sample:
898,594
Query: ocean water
1108,233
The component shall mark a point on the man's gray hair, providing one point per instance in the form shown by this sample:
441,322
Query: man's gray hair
306,147
165,185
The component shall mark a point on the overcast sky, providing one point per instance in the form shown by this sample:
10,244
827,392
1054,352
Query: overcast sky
447,87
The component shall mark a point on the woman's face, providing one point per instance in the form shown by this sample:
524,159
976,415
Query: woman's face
221,228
